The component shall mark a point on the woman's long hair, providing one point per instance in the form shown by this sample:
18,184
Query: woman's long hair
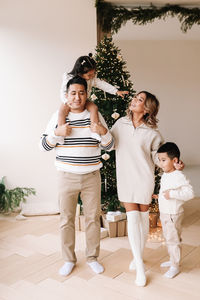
151,105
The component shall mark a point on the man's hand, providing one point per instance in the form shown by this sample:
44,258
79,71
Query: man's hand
98,128
63,130
166,194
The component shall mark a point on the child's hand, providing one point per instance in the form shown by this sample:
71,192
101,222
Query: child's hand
122,93
98,128
179,166
63,130
166,194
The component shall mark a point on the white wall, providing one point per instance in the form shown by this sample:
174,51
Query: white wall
171,70
40,39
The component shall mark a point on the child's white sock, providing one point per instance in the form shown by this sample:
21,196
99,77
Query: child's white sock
66,269
166,264
172,272
95,136
96,267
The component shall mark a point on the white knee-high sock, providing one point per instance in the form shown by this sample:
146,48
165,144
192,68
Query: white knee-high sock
134,235
144,229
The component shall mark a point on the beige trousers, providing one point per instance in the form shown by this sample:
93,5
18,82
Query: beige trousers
171,225
69,187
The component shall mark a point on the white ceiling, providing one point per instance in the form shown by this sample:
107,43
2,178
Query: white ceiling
160,29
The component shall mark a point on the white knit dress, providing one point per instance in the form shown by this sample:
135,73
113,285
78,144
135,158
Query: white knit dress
135,160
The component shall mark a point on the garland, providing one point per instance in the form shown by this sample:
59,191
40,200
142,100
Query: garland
112,17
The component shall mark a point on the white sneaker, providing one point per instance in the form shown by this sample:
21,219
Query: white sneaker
166,264
172,272
96,267
66,269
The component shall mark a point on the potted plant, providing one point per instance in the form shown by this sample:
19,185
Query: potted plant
10,199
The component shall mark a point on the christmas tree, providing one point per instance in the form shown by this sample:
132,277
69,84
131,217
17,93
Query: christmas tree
112,68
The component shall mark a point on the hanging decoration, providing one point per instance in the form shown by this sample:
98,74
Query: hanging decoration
112,17
115,115
105,156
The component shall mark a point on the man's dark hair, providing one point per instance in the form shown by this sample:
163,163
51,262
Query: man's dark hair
171,149
77,80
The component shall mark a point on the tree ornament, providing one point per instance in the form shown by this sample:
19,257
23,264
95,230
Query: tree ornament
105,156
93,97
119,57
115,115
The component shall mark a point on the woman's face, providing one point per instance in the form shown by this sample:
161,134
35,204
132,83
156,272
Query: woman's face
137,103
89,75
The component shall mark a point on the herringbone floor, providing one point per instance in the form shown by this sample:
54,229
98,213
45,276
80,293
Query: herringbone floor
30,258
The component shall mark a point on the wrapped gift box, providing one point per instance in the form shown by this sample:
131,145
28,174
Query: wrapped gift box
121,228
110,226
115,216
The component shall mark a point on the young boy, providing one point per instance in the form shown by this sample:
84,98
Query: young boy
174,190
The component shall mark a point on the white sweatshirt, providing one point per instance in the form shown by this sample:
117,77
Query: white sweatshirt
94,82
77,153
180,191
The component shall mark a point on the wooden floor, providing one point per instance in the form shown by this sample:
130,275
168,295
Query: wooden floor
30,258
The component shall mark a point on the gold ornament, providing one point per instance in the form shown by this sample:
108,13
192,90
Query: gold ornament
115,115
93,97
105,156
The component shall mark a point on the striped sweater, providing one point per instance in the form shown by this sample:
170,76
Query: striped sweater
78,153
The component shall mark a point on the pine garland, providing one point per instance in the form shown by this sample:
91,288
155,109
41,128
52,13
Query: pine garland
112,17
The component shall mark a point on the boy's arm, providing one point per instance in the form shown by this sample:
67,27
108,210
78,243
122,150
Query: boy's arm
184,193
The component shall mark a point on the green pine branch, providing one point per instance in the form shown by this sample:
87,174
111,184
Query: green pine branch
112,17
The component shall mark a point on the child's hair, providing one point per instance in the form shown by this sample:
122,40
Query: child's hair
77,80
83,65
171,149
151,105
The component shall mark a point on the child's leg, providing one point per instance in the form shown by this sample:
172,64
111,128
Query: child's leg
94,117
171,225
93,109
62,114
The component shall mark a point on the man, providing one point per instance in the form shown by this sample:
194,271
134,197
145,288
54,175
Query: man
78,163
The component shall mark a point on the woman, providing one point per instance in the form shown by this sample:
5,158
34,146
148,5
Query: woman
136,143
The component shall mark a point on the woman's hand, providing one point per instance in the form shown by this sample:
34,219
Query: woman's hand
179,166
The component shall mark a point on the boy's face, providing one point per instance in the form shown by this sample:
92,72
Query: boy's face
166,163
